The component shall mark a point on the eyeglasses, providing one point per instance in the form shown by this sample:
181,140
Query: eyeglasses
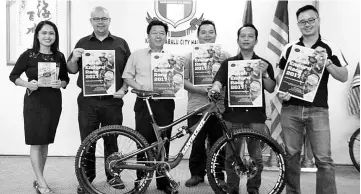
309,21
103,19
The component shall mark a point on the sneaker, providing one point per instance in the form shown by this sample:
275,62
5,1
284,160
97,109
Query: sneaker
193,181
116,183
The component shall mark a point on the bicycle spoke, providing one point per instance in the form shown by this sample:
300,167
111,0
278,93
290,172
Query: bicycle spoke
127,142
226,175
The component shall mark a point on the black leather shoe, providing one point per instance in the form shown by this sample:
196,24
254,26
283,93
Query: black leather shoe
80,190
193,181
168,190
116,183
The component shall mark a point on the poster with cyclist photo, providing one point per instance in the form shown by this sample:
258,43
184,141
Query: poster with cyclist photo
47,73
205,63
303,72
98,72
167,75
244,83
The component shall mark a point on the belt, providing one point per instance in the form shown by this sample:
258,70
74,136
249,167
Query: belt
103,97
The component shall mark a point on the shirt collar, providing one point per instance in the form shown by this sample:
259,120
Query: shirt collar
316,43
93,36
240,57
151,51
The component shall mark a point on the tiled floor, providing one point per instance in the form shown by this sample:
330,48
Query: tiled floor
16,177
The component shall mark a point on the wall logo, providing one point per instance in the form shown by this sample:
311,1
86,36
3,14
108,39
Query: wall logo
175,13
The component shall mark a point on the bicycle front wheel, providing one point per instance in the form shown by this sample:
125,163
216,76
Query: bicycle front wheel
354,149
98,155
226,175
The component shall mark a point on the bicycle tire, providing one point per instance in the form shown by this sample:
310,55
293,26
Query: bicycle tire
125,136
354,149
215,178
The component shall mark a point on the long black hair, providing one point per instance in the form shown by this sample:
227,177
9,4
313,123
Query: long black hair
36,45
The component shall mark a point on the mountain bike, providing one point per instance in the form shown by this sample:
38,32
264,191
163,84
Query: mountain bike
126,165
354,149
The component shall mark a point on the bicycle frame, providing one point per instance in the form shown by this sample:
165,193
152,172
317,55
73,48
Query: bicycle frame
208,110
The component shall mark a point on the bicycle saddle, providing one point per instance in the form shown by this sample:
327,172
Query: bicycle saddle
145,93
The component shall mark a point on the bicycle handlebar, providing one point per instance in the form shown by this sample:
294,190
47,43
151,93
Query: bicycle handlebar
214,96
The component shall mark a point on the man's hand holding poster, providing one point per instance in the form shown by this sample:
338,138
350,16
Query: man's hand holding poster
98,72
167,75
244,83
303,72
205,63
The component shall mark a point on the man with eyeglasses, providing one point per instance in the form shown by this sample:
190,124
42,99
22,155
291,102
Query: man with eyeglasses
100,110
298,114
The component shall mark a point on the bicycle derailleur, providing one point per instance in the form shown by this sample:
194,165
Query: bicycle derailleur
111,162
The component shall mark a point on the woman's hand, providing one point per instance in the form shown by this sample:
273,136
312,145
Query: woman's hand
32,85
56,84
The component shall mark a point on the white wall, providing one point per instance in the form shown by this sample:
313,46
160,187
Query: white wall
340,23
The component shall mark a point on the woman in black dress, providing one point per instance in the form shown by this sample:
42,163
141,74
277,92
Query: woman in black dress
42,105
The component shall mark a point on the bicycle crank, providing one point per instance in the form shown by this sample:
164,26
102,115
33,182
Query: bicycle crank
163,168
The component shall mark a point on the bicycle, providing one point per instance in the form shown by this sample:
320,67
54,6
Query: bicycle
125,165
354,149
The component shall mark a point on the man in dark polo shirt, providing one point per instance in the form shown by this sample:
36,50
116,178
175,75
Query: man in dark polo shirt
252,117
100,110
298,114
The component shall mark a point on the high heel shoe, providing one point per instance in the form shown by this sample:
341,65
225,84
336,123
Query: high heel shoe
46,190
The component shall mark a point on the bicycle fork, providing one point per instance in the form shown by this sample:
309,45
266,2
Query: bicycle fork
241,167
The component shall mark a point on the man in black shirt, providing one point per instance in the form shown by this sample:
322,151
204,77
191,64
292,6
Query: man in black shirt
100,110
252,117
298,114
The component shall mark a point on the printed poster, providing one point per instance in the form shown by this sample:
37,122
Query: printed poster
303,72
205,63
244,83
167,75
98,72
47,72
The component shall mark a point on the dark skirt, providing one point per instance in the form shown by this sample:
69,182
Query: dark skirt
42,109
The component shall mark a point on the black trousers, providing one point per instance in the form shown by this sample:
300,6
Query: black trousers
95,112
211,129
163,111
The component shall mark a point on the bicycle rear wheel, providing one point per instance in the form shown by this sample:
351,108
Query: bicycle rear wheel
354,149
94,164
223,172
